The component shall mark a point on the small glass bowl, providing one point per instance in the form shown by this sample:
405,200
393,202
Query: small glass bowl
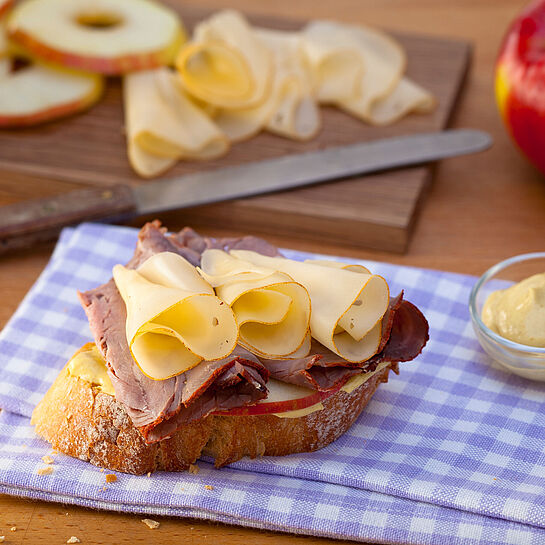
526,361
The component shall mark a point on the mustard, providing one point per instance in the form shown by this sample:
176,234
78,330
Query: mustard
518,312
88,365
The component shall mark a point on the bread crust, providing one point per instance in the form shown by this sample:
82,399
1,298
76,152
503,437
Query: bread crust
80,420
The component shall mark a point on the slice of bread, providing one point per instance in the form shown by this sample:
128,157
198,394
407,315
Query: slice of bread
80,420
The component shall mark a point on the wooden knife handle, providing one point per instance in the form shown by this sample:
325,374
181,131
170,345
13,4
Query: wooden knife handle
25,223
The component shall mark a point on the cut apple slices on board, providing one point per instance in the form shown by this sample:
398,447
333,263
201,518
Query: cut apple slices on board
36,94
104,36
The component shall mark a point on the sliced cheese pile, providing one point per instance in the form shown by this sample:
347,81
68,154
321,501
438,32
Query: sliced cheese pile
272,311
174,320
360,70
233,80
164,125
347,305
226,64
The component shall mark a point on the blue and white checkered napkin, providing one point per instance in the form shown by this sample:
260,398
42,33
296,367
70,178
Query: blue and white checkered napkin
449,452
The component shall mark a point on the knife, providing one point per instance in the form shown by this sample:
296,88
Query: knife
27,222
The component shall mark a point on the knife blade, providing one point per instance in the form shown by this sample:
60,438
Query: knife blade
27,222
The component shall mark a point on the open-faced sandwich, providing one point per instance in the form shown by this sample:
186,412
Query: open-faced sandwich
227,349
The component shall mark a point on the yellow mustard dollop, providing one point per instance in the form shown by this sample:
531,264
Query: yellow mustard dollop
518,312
89,365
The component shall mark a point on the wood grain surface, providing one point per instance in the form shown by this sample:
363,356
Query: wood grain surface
480,209
376,211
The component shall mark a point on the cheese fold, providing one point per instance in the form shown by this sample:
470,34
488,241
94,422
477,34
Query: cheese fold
272,311
174,320
289,109
407,97
347,305
336,63
382,58
225,64
164,125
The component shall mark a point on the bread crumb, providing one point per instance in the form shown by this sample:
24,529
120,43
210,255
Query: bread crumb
45,470
47,459
103,489
151,524
73,539
13,528
102,470
111,478
194,468
149,474
208,487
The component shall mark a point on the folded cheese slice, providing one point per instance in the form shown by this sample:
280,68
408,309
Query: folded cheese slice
336,62
296,113
383,60
225,64
272,311
162,121
407,97
174,320
347,305
290,109
355,267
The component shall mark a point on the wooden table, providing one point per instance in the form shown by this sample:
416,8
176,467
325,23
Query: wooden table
480,209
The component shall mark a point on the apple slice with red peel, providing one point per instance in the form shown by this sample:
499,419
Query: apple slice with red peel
108,37
282,398
5,5
36,94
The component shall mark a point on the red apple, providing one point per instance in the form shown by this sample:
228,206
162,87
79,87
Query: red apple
520,82
282,398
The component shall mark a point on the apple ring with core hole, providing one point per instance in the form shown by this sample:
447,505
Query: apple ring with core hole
104,36
35,94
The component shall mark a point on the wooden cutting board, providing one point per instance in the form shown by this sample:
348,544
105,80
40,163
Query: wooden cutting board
376,211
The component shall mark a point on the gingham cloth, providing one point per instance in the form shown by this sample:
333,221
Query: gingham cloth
451,451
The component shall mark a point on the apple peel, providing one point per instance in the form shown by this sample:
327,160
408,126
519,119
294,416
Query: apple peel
347,305
272,311
174,320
